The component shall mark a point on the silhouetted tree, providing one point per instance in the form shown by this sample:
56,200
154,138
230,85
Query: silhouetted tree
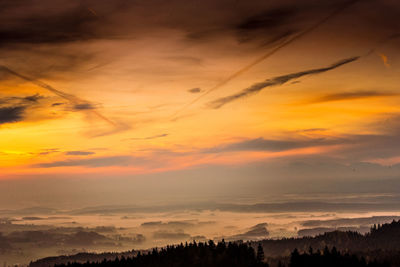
260,253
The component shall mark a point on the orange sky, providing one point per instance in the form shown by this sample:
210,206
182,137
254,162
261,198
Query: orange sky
112,94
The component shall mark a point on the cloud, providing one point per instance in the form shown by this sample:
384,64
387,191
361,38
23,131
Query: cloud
23,25
277,48
13,108
57,104
78,103
275,81
93,162
21,100
149,137
79,153
11,114
350,96
261,144
84,106
273,25
194,90
33,98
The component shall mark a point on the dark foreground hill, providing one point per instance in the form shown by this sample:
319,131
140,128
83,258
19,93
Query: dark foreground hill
381,237
381,244
228,255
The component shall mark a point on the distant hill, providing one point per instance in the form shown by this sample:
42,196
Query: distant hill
384,237
382,242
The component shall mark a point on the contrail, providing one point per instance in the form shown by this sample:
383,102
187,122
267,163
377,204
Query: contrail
270,53
71,98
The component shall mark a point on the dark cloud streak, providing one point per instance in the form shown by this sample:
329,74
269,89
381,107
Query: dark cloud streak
279,80
149,137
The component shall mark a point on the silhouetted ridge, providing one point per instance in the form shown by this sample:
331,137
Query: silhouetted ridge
329,258
381,237
374,249
192,254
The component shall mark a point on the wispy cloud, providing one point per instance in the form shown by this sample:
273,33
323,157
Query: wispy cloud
275,81
149,137
349,96
261,144
92,162
79,153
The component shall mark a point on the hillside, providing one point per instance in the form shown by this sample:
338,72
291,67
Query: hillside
381,243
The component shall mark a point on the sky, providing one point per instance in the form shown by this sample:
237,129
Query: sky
134,124
169,101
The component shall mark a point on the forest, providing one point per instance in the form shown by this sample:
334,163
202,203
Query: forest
232,255
378,248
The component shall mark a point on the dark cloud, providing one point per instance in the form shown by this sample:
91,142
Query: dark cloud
33,98
79,153
13,109
350,96
29,100
273,25
275,81
84,106
92,162
267,20
22,24
194,90
57,104
11,114
222,101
